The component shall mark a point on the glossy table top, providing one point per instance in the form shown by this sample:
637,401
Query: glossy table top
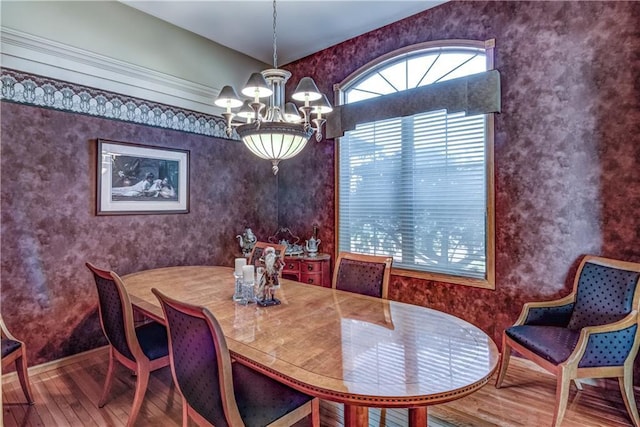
334,344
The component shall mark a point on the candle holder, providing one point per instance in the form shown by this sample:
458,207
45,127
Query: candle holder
237,276
248,283
237,294
248,293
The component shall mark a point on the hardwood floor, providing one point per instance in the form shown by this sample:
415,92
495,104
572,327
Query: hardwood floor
66,395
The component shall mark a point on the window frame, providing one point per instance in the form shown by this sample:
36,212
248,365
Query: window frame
488,282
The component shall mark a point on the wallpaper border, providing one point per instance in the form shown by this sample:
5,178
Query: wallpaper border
30,89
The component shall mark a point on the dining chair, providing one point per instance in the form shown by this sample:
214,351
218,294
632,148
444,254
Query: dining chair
14,351
142,349
363,274
258,250
590,333
366,275
217,392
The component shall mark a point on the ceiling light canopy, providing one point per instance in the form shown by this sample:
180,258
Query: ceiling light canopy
276,131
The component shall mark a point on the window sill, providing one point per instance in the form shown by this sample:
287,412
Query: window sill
488,283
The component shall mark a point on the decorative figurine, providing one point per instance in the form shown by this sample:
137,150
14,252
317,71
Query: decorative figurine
247,241
270,281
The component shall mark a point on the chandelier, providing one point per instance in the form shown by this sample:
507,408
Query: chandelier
276,131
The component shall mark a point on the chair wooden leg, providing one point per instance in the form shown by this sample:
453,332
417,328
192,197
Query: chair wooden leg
578,384
315,412
23,376
626,388
141,389
504,361
562,396
109,380
185,413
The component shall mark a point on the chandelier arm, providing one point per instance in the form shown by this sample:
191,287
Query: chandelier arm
318,128
306,113
228,117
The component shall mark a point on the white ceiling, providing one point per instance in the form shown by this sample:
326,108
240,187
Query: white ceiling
303,27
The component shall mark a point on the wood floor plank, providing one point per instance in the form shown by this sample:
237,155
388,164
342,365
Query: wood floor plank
13,403
40,415
73,402
91,391
90,407
48,411
67,396
63,413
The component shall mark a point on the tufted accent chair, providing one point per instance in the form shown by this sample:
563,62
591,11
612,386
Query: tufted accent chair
591,333
14,351
363,274
258,250
216,392
142,349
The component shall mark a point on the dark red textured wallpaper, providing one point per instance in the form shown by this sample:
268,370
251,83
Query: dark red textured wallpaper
49,226
567,144
567,150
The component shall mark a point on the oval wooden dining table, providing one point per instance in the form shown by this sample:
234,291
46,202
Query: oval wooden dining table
336,345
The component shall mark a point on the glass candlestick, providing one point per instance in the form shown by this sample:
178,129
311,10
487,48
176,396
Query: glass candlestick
248,280
237,294
238,275
248,293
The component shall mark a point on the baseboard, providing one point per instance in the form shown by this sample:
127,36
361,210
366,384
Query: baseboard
58,363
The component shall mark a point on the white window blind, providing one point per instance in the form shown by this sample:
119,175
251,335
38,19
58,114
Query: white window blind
415,188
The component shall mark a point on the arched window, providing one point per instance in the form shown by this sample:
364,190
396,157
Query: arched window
416,182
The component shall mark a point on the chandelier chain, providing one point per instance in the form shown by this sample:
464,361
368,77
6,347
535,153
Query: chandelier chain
275,48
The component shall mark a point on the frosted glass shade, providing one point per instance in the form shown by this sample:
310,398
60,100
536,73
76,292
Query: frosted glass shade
274,141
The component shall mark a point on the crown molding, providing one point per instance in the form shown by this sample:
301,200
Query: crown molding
47,58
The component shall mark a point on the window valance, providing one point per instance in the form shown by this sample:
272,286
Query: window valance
474,94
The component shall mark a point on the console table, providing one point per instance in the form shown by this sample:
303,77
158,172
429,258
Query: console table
313,270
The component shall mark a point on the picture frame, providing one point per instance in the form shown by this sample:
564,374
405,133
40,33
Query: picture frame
141,179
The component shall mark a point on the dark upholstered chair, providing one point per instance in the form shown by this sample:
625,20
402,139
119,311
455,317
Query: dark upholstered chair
14,351
591,333
258,250
363,274
366,275
214,390
142,349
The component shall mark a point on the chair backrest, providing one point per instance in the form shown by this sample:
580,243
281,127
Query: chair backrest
8,343
4,332
258,250
363,274
116,313
200,361
606,291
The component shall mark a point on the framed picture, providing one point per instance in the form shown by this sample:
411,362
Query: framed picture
139,179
